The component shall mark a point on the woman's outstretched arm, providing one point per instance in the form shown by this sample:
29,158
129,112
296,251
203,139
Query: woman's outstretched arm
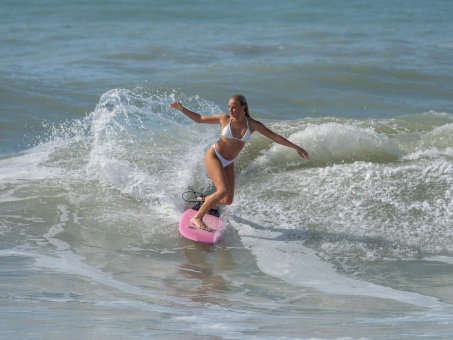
261,128
213,119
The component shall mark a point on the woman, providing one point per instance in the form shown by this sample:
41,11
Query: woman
235,131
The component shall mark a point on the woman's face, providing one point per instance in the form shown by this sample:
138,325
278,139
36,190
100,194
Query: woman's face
235,108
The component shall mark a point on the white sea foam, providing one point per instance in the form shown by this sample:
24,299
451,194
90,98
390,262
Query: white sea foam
444,259
387,206
29,165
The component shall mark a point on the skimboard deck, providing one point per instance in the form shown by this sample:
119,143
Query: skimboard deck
211,219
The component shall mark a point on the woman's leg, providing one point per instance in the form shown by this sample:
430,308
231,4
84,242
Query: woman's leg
229,171
221,178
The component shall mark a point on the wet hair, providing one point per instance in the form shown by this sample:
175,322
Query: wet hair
241,99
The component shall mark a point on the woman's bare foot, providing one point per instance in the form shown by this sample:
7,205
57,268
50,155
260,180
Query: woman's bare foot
198,222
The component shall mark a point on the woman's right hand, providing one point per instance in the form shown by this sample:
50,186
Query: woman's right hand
177,106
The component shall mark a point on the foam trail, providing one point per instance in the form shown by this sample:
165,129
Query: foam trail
69,263
299,265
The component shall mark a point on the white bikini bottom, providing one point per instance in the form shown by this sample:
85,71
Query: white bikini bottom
225,162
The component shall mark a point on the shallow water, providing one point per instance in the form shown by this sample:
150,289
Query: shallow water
354,243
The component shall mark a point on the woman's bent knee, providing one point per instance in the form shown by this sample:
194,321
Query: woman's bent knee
227,199
223,193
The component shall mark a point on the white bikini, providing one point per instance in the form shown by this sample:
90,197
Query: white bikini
227,133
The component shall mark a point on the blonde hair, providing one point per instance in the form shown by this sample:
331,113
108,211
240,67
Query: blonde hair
241,99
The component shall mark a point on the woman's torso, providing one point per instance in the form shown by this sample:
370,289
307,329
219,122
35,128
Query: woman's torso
233,137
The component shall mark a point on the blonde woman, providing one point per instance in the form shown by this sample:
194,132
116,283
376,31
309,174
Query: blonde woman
235,130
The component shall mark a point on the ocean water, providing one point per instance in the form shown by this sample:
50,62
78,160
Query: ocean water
355,243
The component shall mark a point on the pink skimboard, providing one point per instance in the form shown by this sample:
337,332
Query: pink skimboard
211,219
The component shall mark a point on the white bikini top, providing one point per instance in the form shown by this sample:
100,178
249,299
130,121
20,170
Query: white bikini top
227,133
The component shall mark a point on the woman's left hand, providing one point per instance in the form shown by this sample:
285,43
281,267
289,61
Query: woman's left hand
302,153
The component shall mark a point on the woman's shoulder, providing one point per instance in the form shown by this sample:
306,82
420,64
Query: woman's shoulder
255,124
214,118
223,117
